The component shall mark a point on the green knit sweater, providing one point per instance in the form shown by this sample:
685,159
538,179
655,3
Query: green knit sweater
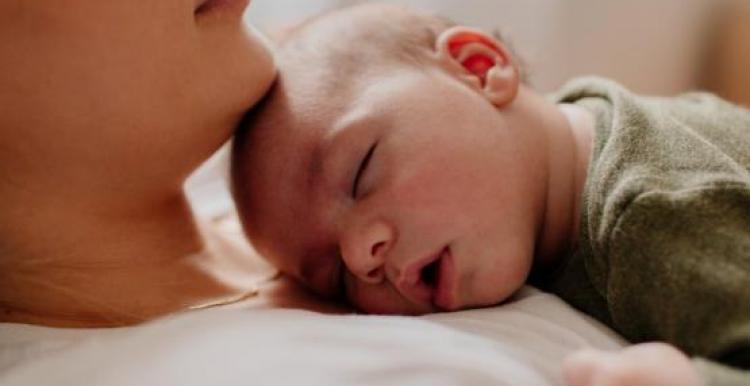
664,246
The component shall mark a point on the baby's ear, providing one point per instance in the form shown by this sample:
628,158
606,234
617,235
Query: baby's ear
481,61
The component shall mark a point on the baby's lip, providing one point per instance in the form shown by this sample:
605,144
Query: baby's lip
438,292
444,296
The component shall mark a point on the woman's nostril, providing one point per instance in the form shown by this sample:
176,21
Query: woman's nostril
377,249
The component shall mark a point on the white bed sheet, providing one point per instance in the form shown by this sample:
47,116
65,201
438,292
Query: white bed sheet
521,343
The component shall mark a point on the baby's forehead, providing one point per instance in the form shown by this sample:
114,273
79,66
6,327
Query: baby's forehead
287,134
286,213
275,158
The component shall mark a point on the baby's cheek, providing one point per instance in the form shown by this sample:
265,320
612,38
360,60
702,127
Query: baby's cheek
432,201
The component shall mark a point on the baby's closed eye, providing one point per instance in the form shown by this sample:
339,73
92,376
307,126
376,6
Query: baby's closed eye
361,170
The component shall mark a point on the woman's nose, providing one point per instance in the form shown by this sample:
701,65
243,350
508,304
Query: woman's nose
365,249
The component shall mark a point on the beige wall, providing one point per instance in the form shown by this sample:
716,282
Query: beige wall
652,46
728,57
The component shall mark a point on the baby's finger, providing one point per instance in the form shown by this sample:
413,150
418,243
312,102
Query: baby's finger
580,368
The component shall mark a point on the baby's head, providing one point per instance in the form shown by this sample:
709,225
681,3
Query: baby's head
399,161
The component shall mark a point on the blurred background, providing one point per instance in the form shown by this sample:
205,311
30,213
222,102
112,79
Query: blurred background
658,47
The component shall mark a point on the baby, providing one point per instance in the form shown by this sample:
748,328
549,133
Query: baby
401,162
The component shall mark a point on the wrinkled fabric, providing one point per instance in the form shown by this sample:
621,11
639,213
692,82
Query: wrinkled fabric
664,245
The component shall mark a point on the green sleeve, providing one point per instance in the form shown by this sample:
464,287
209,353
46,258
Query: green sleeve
677,269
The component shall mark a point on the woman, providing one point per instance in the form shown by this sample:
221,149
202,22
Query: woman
105,108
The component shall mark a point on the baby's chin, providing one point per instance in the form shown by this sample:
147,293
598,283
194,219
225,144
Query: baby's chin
405,308
396,310
388,303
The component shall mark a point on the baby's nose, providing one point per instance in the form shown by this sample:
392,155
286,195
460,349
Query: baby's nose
365,251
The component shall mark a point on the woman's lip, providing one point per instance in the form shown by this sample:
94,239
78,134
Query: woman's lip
204,7
443,295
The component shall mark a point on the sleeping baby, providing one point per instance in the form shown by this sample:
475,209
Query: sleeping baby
402,163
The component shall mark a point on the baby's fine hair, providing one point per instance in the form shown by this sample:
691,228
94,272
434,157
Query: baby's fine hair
370,34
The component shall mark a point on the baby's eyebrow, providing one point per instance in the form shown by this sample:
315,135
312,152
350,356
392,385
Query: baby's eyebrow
318,162
323,146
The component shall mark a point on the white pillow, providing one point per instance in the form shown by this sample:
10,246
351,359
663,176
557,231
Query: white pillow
521,343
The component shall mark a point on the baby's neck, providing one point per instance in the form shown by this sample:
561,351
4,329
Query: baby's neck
571,137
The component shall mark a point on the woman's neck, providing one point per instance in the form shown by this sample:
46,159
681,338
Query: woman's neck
93,268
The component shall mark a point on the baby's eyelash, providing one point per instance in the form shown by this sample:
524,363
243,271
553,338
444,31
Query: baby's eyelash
362,168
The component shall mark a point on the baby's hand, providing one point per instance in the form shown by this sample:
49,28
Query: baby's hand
648,364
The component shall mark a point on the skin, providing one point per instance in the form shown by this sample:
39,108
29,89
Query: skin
479,163
105,108
642,364
465,156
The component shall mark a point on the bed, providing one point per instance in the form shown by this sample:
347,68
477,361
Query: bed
520,343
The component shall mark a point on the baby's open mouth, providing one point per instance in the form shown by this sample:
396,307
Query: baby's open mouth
430,273
443,274
432,280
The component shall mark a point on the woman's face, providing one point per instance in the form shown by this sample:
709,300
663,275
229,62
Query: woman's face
138,92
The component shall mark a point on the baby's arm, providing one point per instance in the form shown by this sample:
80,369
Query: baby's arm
648,364
676,270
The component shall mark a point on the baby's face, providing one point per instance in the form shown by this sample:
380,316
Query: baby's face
410,195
